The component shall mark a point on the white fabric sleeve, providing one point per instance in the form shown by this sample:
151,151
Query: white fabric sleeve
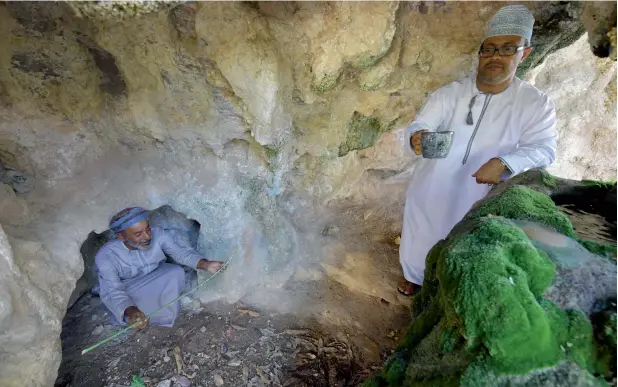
537,146
184,255
430,117
113,292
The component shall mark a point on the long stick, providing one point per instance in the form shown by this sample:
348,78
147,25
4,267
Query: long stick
97,345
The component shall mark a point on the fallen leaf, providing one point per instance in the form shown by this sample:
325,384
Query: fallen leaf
178,357
247,312
296,332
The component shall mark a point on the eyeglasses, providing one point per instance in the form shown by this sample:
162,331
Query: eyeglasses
488,52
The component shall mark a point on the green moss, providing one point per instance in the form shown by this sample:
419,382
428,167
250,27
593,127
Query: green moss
607,250
369,61
548,180
492,278
271,152
480,318
609,184
327,82
362,132
518,202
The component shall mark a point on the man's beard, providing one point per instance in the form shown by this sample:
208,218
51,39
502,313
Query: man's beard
145,245
492,77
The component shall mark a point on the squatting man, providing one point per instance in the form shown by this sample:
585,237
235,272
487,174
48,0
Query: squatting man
133,277
502,126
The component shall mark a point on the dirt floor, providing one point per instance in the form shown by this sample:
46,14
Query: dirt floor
332,324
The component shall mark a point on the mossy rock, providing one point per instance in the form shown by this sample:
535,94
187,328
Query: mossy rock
328,82
481,319
519,202
362,132
607,250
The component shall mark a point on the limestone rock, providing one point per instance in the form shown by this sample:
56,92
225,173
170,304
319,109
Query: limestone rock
13,209
31,309
599,17
364,37
591,86
256,120
243,49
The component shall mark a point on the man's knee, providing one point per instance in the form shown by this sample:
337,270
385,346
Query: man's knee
177,271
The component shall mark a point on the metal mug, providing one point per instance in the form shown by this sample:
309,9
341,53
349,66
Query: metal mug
436,145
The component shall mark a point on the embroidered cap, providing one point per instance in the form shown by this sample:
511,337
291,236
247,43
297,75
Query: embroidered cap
511,20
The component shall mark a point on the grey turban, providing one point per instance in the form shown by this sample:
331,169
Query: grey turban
511,20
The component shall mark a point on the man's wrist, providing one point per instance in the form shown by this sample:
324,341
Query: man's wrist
505,165
202,264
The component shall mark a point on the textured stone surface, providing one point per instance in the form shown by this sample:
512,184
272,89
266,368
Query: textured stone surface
587,133
599,17
252,118
34,288
511,298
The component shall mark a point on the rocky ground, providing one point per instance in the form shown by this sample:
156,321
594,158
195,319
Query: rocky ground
241,344
213,345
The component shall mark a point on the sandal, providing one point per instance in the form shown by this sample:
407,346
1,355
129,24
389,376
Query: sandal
408,288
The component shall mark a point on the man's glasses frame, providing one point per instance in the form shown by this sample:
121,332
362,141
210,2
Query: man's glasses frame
488,52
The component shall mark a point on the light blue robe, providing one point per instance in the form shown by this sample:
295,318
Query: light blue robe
141,278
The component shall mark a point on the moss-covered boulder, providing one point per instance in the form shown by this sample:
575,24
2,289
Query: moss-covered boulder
493,311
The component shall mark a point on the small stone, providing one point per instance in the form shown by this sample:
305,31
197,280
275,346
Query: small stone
267,332
94,317
183,381
98,330
218,380
397,241
330,230
166,359
234,363
203,329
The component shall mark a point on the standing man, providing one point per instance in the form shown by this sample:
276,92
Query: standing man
134,278
503,126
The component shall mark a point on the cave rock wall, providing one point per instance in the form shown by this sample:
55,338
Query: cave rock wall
255,119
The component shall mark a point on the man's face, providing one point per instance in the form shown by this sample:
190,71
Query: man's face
499,69
137,236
